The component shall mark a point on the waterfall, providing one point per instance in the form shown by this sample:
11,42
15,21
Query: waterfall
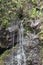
20,57
12,51
21,52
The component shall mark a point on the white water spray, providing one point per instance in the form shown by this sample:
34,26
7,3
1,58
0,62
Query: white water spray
21,52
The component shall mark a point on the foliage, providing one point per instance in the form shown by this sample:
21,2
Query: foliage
22,9
4,54
35,13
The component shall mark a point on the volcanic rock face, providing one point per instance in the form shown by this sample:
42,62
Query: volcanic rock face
6,37
34,54
31,47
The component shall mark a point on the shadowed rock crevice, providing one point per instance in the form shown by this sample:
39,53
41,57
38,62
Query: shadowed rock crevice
6,38
2,50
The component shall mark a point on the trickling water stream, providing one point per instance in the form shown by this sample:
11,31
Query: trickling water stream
21,52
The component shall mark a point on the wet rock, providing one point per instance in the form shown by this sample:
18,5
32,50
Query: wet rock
33,25
6,36
36,59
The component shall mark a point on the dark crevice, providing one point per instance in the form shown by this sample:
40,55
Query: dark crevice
2,50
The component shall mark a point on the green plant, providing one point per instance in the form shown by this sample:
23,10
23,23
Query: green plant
35,13
18,4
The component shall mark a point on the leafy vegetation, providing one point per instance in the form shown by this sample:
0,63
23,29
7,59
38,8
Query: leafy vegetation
23,10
